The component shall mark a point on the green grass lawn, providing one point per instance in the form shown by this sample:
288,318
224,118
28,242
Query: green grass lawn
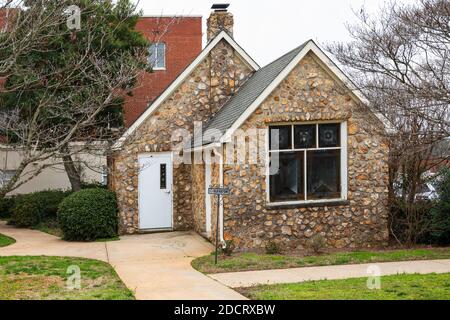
44,278
254,261
396,287
6,241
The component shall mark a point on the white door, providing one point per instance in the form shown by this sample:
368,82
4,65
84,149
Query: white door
208,198
155,191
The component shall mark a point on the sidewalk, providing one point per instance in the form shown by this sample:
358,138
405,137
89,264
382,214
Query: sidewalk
251,278
154,266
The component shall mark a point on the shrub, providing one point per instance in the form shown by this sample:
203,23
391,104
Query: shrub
229,247
30,209
88,215
27,211
93,185
440,214
317,243
272,247
50,201
6,206
410,222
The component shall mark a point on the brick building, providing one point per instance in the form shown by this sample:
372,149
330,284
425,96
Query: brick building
181,39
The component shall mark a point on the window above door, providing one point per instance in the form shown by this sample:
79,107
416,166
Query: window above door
308,163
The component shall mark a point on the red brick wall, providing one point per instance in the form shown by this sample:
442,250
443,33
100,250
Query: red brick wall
183,39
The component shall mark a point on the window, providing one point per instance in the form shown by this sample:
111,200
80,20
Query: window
6,176
157,57
104,176
309,162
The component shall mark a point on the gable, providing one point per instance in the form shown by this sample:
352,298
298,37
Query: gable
223,36
308,94
243,105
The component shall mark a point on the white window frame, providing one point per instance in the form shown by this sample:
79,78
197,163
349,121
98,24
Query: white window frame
343,163
155,45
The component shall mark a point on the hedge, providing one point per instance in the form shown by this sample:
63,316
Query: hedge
88,215
6,206
30,209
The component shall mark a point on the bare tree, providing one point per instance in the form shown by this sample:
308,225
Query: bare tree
400,60
47,108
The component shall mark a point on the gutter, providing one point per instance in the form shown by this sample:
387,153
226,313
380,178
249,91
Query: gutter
222,240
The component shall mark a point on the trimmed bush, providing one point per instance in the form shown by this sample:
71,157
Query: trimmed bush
6,206
30,209
27,211
93,185
50,201
88,215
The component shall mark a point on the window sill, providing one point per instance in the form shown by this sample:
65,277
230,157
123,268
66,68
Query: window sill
158,69
330,203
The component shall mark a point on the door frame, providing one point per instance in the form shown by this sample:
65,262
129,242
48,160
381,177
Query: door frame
149,155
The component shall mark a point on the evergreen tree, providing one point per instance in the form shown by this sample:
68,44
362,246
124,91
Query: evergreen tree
63,71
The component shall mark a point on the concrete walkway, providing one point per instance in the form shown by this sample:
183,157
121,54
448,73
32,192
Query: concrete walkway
154,266
251,278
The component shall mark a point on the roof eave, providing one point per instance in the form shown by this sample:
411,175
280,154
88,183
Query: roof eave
310,46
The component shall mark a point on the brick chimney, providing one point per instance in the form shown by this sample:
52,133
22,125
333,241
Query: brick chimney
220,19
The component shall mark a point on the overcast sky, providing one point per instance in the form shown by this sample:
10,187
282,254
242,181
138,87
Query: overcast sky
266,29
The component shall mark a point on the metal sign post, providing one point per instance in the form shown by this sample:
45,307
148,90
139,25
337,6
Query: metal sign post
218,191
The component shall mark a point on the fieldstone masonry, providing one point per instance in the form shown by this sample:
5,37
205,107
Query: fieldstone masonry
309,94
218,21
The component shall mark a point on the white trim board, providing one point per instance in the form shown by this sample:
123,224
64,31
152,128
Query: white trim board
182,77
310,46
343,148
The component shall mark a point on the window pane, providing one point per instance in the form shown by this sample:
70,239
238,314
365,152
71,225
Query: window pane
305,136
152,55
161,63
280,137
6,176
329,135
288,183
323,175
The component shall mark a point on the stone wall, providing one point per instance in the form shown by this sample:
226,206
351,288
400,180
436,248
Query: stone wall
194,100
227,75
309,93
198,198
219,21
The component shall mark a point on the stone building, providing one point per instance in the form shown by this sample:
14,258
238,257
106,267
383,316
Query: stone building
297,144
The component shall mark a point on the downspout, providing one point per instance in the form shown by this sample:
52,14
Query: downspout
222,240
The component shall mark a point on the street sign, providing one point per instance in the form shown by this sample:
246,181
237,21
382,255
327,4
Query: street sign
219,191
